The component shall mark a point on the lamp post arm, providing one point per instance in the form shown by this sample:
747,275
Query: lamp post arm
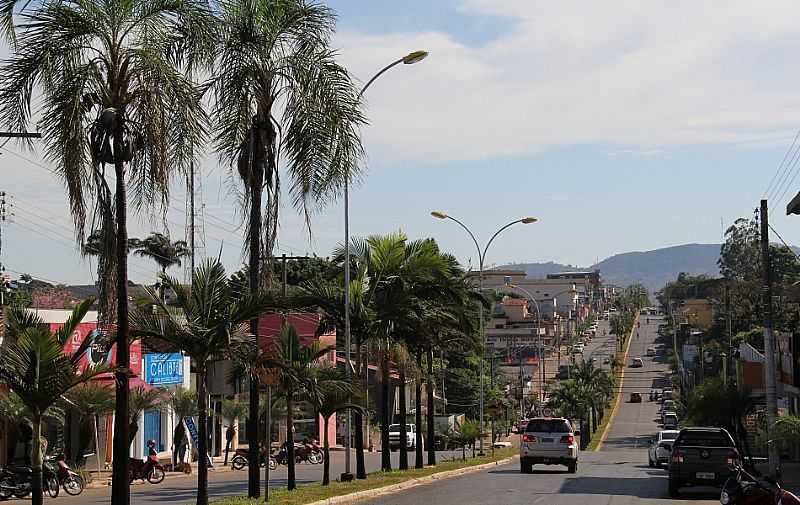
381,72
475,241
498,232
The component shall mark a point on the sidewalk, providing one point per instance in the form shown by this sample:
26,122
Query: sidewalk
104,478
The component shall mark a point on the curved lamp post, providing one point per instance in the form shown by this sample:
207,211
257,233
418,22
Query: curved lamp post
409,59
481,257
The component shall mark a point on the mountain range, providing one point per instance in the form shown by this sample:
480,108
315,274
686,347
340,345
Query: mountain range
653,269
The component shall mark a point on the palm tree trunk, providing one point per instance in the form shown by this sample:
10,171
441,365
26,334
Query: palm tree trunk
202,449
254,263
594,419
418,463
386,456
326,452
431,411
37,495
403,426
291,484
358,417
120,484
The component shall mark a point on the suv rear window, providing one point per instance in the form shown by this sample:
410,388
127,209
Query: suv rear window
705,439
548,426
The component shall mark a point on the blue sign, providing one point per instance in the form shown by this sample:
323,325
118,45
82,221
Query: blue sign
161,369
192,430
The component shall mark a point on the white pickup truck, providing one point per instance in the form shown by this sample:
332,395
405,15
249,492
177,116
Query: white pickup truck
394,436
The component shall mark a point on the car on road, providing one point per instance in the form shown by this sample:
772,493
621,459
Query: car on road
701,457
670,421
549,441
394,436
578,349
637,363
661,447
606,360
651,351
666,394
666,406
636,398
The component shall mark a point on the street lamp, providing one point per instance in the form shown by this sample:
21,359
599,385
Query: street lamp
481,257
409,59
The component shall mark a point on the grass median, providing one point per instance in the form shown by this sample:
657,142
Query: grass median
309,493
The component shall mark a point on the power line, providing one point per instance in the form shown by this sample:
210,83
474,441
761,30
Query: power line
783,161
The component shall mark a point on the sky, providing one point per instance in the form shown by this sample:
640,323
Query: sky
622,126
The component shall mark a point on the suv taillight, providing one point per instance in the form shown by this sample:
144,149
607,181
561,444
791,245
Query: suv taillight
528,438
568,439
677,456
732,458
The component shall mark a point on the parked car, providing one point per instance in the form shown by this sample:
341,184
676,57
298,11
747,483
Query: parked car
637,363
636,398
702,457
549,441
661,447
394,436
651,351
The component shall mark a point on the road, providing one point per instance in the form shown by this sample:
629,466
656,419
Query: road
180,490
616,475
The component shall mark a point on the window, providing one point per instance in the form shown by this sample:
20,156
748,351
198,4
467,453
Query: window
548,426
705,438
669,436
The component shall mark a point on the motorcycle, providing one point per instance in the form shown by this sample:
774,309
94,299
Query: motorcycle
316,451
742,488
17,481
71,482
149,469
240,459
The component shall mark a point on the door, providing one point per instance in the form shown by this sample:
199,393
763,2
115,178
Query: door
152,430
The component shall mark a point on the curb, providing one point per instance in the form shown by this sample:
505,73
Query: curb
105,482
411,483
620,393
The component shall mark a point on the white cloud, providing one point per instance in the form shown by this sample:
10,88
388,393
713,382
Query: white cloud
644,74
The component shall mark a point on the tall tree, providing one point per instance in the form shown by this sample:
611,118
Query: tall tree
36,366
162,250
280,95
207,319
295,364
107,74
183,403
232,411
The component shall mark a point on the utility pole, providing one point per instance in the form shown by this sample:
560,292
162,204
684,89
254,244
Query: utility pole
284,273
2,267
191,217
729,326
769,342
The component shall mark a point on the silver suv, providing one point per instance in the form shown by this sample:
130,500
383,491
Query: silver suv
549,441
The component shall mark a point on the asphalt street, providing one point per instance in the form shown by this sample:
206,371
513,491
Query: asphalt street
616,475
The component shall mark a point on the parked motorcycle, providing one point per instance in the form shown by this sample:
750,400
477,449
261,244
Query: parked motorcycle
17,481
149,469
315,450
71,482
240,459
743,488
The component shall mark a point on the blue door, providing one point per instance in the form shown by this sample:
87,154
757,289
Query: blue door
152,429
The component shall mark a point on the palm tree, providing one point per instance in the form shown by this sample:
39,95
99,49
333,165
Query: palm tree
15,413
336,394
232,411
108,75
183,403
162,250
141,400
91,401
280,95
295,364
208,317
35,365
405,366
328,297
